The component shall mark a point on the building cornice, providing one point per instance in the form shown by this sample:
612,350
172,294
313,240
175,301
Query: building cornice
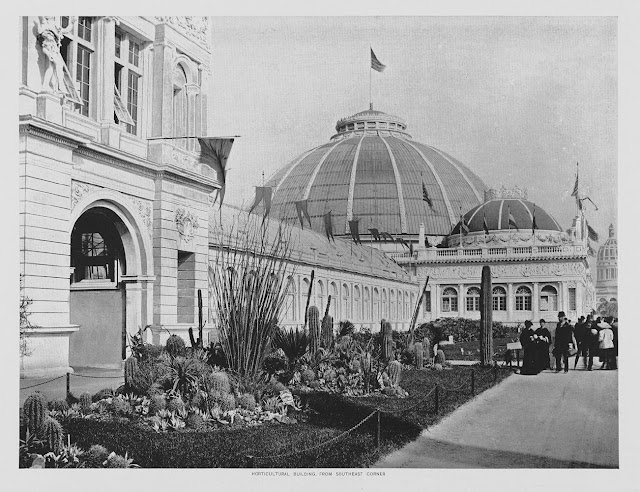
32,125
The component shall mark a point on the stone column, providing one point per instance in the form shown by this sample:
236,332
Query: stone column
535,301
510,301
462,306
435,304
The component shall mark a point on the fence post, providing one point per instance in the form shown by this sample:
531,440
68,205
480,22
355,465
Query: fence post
250,461
473,382
377,439
68,385
437,398
495,372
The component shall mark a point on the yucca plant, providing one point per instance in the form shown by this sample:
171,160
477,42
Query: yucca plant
292,342
248,282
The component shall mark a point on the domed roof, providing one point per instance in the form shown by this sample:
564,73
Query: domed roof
609,250
497,212
372,170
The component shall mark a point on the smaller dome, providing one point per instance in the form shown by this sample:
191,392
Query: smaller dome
496,212
371,120
609,250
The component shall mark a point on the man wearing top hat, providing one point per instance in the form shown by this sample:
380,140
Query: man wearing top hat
564,340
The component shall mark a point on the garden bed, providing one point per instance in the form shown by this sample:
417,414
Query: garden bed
330,416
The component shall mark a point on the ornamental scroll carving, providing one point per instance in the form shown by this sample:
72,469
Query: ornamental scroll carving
144,210
194,27
502,271
79,189
186,224
184,160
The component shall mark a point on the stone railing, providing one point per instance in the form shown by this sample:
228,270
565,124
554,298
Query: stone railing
444,255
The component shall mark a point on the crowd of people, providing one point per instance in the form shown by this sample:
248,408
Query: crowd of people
588,338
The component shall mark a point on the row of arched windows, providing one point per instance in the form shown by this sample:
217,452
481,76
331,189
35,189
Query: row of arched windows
361,303
523,299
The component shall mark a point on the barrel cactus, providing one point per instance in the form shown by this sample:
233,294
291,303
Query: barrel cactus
175,345
130,370
218,381
307,376
419,355
247,401
35,412
314,330
437,367
59,405
158,402
440,358
52,433
227,402
176,404
327,332
486,313
387,341
395,371
195,421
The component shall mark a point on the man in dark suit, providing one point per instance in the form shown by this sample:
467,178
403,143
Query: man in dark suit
564,339
580,335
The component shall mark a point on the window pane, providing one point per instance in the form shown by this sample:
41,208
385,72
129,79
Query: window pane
132,101
134,53
118,46
84,28
82,76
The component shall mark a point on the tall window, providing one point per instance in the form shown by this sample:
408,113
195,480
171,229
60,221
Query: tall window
385,313
320,297
128,75
180,105
473,299
572,298
77,49
186,286
548,298
367,305
346,302
376,304
290,300
499,299
427,302
449,300
523,299
333,290
392,302
357,303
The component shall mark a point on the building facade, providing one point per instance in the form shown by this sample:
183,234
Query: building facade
607,269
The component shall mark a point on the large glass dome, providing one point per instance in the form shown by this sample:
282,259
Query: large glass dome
372,170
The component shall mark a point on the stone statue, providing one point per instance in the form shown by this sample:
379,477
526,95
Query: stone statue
50,34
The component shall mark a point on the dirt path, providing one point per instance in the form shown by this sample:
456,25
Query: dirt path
545,421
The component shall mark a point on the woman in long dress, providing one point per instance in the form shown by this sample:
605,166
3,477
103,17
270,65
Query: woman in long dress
527,341
543,340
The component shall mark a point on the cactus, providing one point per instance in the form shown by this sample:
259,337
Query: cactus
486,312
96,455
175,404
59,405
387,341
226,401
426,346
247,401
85,402
419,355
130,370
327,332
395,371
440,358
195,421
314,330
52,433
218,381
437,367
121,407
307,376
158,402
102,394
35,411
175,345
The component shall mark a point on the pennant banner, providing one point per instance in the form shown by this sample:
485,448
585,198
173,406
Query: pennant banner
512,221
214,152
485,226
575,186
328,227
534,226
375,234
263,193
353,227
463,226
425,195
301,208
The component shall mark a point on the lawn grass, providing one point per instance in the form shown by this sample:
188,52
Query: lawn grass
402,420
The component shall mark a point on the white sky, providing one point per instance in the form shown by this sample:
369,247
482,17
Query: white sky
519,100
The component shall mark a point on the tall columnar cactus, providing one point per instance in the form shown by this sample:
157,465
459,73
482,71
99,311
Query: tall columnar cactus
130,370
426,346
395,371
85,402
387,341
327,332
314,329
486,311
440,357
35,411
419,355
52,433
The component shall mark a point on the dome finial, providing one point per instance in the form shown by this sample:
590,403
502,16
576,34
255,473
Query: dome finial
370,106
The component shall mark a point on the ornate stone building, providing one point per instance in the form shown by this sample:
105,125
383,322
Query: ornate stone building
607,268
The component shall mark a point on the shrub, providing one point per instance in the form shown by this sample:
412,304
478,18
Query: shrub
462,330
274,362
195,421
246,401
95,456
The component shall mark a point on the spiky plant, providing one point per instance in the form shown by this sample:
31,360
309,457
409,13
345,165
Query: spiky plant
248,279
293,343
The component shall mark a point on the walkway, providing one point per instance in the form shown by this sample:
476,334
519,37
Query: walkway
545,421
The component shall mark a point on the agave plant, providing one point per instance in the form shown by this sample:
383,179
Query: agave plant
292,342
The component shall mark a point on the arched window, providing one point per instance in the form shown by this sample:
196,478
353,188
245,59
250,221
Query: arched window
320,297
392,302
401,306
357,303
385,313
523,299
473,299
346,302
367,305
499,299
449,300
290,300
548,298
376,304
333,291
180,105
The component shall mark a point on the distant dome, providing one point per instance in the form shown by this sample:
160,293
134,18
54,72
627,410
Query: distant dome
609,250
372,170
497,211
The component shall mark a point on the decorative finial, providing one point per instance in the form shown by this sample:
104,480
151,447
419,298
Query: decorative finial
370,106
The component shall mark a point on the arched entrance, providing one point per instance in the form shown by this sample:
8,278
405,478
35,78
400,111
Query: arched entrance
97,297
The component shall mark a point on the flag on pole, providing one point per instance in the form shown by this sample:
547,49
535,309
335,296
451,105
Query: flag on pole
214,152
375,234
575,187
375,64
301,208
512,221
463,226
387,235
263,194
485,226
593,235
328,227
425,195
534,226
353,228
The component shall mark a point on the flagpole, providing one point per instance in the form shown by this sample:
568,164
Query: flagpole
370,69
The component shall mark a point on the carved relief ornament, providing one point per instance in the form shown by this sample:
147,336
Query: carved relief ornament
186,224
